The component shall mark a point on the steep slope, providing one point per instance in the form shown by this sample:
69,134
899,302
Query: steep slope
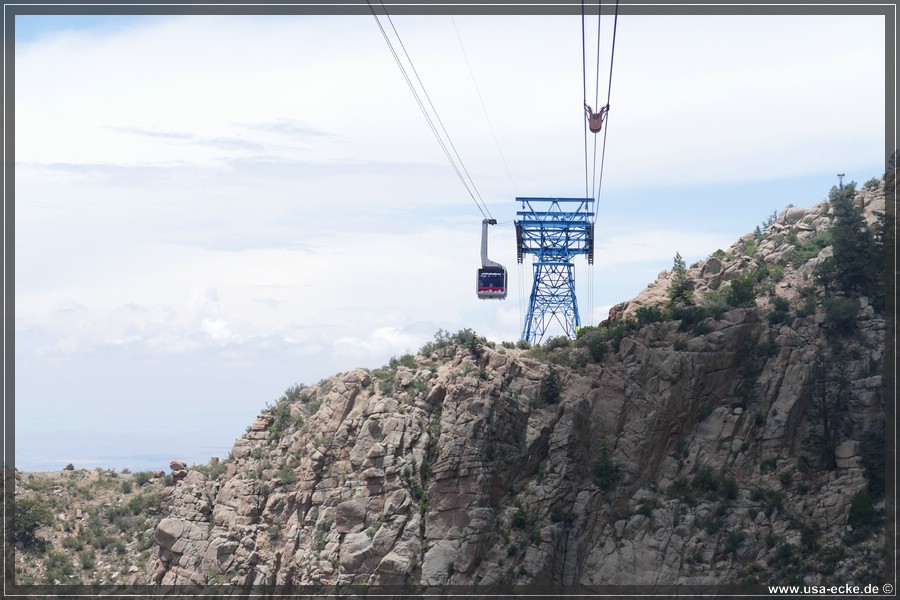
732,445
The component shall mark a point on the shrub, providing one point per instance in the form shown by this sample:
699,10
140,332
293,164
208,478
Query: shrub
808,307
810,248
776,272
646,506
558,515
469,340
274,531
873,459
701,328
646,315
442,339
286,475
551,386
840,314
606,472
294,393
407,360
87,558
729,488
780,312
557,342
809,536
733,540
682,490
781,303
519,519
714,304
595,344
30,515
59,567
713,525
716,486
740,293
70,467
777,317
142,477
690,317
862,511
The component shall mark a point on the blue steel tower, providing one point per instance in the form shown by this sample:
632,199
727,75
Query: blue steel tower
554,230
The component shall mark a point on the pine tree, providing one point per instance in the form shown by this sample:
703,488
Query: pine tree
681,291
857,265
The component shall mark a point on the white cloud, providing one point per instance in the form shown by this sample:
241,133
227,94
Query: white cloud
381,342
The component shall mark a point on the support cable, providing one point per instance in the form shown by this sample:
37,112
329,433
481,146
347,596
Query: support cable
483,107
473,190
584,97
444,129
612,56
596,103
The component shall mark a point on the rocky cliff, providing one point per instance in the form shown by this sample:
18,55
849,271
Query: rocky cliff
742,445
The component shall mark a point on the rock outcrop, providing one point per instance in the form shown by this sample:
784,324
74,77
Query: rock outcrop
777,244
683,456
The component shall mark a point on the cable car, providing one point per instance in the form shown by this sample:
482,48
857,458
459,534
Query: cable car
490,282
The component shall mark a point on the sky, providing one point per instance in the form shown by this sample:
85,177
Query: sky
210,209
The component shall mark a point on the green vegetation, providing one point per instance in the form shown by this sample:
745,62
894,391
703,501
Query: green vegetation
740,292
605,471
808,306
464,338
558,515
212,471
873,460
407,360
733,541
857,266
840,315
872,183
294,393
810,248
862,518
780,313
281,410
30,515
286,475
681,489
551,386
714,487
59,567
274,531
681,290
862,510
519,519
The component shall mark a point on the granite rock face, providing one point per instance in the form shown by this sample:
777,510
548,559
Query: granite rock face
683,456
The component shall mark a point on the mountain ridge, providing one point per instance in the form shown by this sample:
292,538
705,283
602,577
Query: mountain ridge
651,450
